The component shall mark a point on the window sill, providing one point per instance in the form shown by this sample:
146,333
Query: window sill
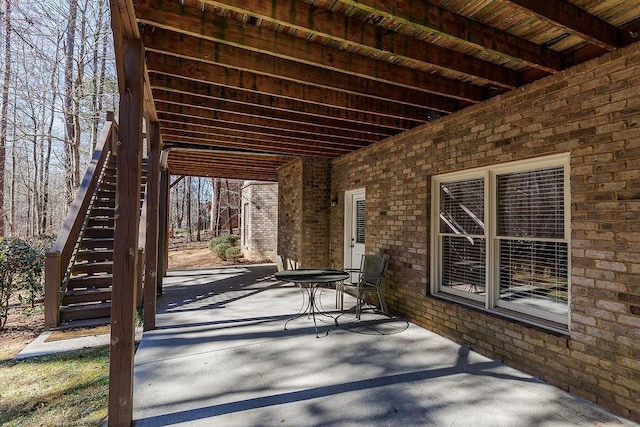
501,313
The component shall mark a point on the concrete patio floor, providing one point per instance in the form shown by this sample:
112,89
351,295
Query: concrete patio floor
220,357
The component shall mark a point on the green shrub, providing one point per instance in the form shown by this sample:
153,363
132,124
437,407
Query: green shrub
227,239
221,250
233,253
21,265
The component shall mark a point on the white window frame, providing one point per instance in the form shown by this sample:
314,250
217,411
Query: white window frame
490,301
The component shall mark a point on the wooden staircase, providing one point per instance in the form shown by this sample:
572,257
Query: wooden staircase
87,298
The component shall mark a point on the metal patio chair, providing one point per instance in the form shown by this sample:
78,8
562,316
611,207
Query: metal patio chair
370,279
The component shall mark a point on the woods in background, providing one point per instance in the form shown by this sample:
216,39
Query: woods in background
199,204
58,80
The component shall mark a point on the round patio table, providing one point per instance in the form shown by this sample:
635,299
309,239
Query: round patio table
310,280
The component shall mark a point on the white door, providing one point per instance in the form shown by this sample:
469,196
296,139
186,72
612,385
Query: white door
354,229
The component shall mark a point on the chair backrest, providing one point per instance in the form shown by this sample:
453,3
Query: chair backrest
284,263
372,269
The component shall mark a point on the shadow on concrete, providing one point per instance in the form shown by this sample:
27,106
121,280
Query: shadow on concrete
221,356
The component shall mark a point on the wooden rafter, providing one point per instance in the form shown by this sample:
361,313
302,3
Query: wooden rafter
266,127
270,82
575,20
325,77
372,118
314,64
217,164
308,22
441,23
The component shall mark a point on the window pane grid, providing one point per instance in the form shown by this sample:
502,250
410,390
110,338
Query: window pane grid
517,260
462,207
534,274
531,204
463,264
360,221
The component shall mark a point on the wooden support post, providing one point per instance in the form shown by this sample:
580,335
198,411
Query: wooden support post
167,225
53,279
163,239
153,195
125,245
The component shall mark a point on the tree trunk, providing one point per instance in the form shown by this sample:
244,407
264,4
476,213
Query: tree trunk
215,194
226,181
69,116
12,223
76,98
47,159
188,202
198,208
4,110
35,195
95,95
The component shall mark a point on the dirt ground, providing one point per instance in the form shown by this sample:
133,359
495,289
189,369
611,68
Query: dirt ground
26,324
23,326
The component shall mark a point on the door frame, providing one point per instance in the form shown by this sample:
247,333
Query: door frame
348,221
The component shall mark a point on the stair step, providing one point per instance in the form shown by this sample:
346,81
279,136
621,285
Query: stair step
108,179
106,202
84,323
96,243
86,295
99,232
94,255
92,268
85,311
90,282
108,212
101,222
107,192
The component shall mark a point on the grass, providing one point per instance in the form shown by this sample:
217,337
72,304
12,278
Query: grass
67,389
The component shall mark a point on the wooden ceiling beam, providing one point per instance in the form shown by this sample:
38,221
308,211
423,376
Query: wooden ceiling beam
217,141
268,129
215,170
350,35
214,115
270,84
575,20
202,160
287,110
322,65
174,127
201,167
451,26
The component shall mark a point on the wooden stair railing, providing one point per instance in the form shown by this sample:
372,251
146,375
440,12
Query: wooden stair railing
59,257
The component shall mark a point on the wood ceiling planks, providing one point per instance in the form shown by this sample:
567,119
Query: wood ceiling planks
326,77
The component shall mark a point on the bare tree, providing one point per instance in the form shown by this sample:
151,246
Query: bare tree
215,206
4,109
198,209
72,152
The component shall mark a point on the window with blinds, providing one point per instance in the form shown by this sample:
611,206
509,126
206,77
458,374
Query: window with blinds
501,238
463,241
530,232
360,221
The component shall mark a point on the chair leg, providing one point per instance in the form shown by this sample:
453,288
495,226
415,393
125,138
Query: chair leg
383,303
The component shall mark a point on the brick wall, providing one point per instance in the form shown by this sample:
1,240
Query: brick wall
591,111
303,223
260,210
290,210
